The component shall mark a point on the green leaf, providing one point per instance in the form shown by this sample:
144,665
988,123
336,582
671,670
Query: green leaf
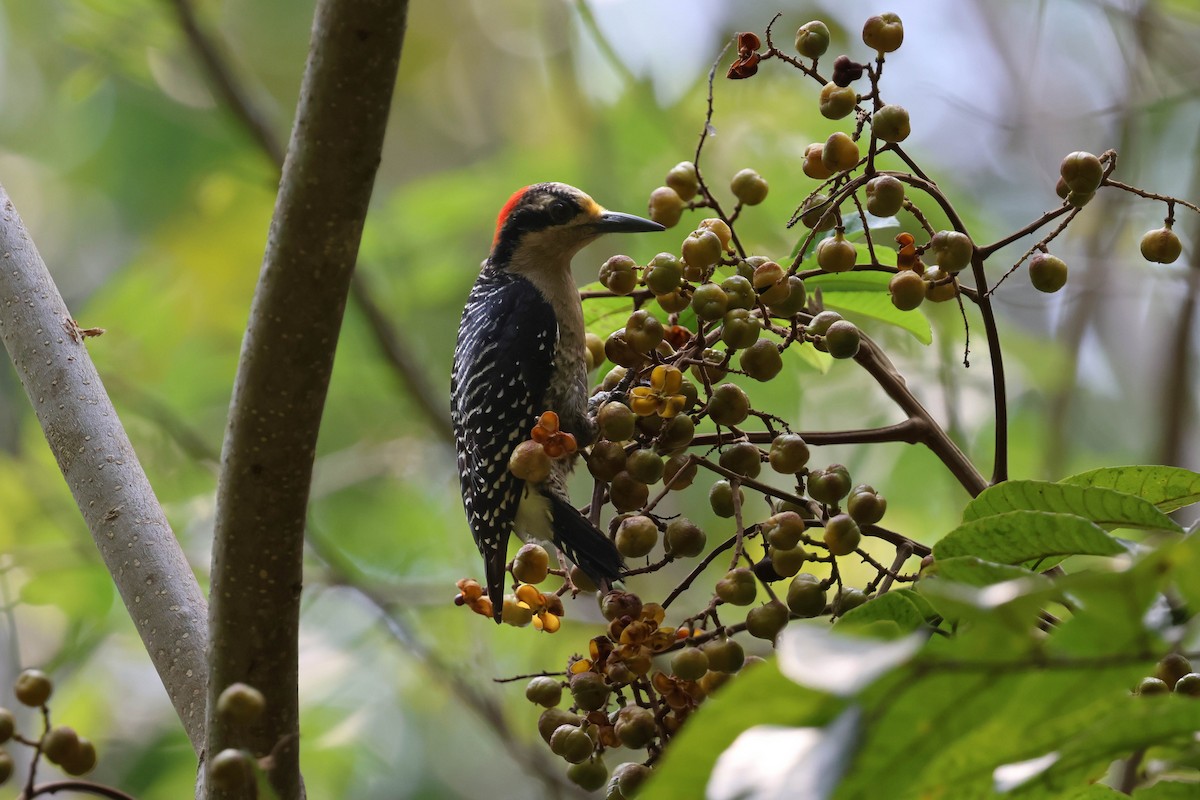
812,358
1128,724
1168,488
81,591
974,571
854,226
603,315
1018,536
1166,790
865,292
1106,507
683,772
894,607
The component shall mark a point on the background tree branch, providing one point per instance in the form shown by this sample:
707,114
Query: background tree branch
283,374
101,469
393,343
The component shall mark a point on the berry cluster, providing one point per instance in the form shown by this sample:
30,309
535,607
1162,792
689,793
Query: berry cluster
667,411
239,706
1174,673
58,744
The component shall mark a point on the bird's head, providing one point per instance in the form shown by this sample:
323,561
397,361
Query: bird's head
543,226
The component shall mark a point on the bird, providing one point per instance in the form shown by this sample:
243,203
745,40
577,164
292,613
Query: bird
520,352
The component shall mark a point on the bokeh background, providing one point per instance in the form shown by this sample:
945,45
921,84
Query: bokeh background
150,203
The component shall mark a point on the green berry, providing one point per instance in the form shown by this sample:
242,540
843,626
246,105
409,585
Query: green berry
635,727
740,292
616,421
689,664
666,206
784,530
230,770
1188,685
842,535
619,274
33,688
1081,172
720,498
907,289
589,691
242,704
891,124
588,775
81,759
842,339
684,539
836,101
636,536
766,621
835,254
738,587
663,274
794,302
866,508
789,453
816,213
952,250
724,655
1152,686
544,691
812,39
883,33
8,725
840,153
743,458
821,322
885,195
1047,273
729,405
551,719
740,329
748,187
701,249
683,180
814,162
710,302
571,743
762,360
1161,246
805,595
1171,668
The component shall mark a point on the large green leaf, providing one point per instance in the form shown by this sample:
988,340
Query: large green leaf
1015,537
1168,488
1106,507
900,607
865,292
684,769
974,571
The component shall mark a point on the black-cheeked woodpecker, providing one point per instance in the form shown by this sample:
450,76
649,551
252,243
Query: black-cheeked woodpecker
520,352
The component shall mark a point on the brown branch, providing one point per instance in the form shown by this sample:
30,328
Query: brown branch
225,83
283,374
79,786
102,471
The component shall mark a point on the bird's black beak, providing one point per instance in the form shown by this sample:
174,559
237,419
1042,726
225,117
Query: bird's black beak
616,222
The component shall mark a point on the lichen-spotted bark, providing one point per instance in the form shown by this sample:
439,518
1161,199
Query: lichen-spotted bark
98,463
283,374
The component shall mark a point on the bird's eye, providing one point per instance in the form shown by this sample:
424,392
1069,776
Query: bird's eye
560,212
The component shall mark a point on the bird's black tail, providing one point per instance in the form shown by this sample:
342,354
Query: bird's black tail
591,550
